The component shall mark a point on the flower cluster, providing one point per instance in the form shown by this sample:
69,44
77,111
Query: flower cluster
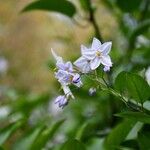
68,73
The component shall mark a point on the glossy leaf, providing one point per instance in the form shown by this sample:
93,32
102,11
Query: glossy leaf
144,140
6,132
128,5
62,6
73,144
46,135
137,116
134,84
118,134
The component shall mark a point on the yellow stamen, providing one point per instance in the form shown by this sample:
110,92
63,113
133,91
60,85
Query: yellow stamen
98,53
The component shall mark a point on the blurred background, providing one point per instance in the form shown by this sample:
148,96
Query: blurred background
27,83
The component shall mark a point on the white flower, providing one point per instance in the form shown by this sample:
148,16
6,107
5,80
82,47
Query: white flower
147,75
94,56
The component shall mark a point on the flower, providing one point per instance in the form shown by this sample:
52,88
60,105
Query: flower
61,101
77,80
94,56
67,91
106,68
65,66
65,73
83,65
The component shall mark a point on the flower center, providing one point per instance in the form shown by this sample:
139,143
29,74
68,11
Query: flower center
98,53
71,78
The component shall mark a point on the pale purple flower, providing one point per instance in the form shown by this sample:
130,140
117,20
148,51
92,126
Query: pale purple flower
77,80
66,74
63,77
65,66
97,54
94,56
61,101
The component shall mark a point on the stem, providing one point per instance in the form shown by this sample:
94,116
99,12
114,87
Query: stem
104,79
93,21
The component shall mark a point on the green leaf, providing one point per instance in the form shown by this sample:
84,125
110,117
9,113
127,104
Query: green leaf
6,132
118,134
128,5
62,6
137,116
81,131
73,144
144,140
26,142
23,103
85,4
134,84
46,135
132,144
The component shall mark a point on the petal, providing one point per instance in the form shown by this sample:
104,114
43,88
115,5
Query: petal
58,99
106,68
87,53
105,48
86,68
96,44
82,64
60,66
69,66
57,58
106,60
79,84
95,63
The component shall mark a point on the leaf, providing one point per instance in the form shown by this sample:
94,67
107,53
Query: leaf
134,84
46,135
137,116
132,144
26,142
6,132
118,134
85,4
23,103
143,140
73,144
62,6
128,5
81,131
